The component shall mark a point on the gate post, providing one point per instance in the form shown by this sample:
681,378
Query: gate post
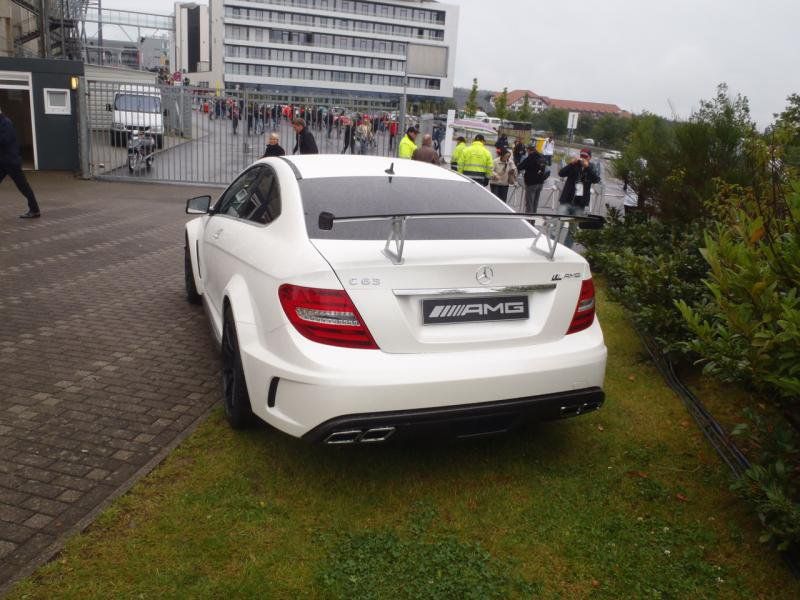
84,141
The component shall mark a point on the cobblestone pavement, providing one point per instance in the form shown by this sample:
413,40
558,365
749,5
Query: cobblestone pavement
104,367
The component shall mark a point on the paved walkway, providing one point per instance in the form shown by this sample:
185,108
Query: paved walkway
104,367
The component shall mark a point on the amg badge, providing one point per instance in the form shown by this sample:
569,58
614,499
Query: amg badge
466,310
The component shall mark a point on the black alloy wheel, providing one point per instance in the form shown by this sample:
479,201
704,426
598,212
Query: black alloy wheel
188,276
234,388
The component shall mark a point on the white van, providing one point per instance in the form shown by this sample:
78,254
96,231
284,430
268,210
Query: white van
136,107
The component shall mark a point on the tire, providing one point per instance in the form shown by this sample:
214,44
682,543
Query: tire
132,161
235,398
148,164
159,142
192,294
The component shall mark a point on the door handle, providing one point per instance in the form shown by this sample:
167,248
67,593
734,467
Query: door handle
216,234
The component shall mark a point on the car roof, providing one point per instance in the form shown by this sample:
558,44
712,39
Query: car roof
314,166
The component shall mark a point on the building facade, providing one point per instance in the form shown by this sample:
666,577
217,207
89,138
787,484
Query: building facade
192,43
311,46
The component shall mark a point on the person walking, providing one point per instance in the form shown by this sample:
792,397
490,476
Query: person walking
504,173
476,161
273,146
426,152
11,165
363,135
535,174
461,143
235,118
407,146
305,139
580,175
349,135
547,150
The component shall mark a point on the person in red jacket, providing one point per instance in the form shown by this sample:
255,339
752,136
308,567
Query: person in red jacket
392,133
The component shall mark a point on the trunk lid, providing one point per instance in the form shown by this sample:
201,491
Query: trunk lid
484,295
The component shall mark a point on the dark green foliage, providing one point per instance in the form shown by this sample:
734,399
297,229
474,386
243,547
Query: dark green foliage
648,265
771,484
676,167
472,101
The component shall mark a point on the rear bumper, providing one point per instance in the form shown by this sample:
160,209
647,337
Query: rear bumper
454,422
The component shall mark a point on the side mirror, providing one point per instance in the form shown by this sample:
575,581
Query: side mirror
198,205
108,108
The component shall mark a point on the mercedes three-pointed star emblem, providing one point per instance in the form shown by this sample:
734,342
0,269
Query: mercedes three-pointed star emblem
484,275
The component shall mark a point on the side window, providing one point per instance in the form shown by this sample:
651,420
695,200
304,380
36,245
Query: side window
255,196
236,195
266,201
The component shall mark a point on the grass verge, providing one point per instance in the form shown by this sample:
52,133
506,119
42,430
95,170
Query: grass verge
626,502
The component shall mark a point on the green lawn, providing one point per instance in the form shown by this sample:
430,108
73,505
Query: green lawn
626,502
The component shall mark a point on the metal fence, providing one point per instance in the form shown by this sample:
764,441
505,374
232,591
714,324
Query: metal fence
208,136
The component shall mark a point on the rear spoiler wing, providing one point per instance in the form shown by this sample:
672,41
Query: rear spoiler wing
552,227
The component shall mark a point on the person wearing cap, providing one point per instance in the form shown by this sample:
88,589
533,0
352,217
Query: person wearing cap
580,175
476,161
462,143
11,165
536,173
503,174
406,147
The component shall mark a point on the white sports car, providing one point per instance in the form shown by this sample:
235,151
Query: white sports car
355,301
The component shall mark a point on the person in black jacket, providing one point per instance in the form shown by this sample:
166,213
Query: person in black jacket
575,196
536,173
11,165
273,146
305,139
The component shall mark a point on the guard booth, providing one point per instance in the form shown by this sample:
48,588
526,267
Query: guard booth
37,95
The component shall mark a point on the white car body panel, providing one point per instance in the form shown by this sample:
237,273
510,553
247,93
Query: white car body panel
418,366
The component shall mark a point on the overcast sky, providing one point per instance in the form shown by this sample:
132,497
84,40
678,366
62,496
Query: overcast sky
634,53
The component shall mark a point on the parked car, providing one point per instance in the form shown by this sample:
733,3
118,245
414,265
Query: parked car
136,107
612,154
358,330
588,141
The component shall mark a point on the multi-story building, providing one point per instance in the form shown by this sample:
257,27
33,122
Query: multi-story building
191,48
312,46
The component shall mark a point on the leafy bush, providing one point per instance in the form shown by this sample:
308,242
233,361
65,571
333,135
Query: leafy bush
648,264
750,330
771,484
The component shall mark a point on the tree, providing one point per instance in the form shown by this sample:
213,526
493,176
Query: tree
472,101
611,131
525,113
501,105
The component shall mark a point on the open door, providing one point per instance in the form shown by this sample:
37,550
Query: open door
16,105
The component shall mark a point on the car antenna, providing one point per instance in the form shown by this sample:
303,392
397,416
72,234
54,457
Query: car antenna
390,172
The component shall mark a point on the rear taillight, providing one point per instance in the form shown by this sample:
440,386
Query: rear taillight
325,316
584,312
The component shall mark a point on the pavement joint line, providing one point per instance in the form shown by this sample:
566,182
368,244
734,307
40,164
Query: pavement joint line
57,546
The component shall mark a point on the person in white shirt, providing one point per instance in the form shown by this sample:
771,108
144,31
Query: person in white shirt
547,150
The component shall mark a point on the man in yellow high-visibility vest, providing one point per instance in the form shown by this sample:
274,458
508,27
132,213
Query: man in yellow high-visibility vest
476,162
408,144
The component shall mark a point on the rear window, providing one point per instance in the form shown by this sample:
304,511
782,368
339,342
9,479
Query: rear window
361,196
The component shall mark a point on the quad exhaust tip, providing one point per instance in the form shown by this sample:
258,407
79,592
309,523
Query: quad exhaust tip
573,410
359,436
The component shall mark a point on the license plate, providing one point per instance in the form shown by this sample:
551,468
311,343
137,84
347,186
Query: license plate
470,310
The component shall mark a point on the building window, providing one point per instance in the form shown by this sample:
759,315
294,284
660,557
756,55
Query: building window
57,102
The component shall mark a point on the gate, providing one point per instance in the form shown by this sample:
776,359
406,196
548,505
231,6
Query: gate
207,136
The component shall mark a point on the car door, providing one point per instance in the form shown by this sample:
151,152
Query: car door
220,235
